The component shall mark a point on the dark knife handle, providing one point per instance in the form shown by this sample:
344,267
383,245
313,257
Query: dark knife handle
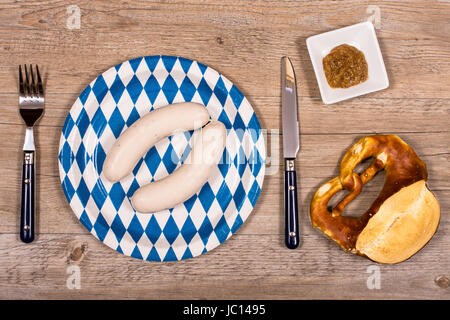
28,204
292,238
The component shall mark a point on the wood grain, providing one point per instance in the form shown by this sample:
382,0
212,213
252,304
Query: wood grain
244,40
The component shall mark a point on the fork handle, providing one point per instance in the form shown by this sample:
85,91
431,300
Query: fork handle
28,205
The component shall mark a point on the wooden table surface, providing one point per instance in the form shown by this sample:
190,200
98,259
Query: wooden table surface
244,40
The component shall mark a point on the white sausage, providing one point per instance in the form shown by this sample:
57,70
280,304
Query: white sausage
187,180
135,141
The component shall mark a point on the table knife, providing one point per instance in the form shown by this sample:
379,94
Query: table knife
290,148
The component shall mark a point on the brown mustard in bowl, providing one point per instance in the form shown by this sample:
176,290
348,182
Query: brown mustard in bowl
345,66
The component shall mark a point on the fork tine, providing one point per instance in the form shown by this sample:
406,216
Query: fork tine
21,85
32,85
27,81
39,82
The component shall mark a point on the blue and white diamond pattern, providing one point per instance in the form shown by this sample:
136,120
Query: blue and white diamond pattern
113,102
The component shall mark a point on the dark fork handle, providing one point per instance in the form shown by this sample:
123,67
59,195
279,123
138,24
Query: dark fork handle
292,237
28,205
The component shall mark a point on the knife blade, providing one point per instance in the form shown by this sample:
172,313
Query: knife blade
291,145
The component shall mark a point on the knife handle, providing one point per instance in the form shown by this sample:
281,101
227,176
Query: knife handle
292,238
28,204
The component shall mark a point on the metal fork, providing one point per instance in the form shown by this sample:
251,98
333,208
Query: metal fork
31,108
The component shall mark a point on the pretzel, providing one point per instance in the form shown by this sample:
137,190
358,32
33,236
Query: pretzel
393,236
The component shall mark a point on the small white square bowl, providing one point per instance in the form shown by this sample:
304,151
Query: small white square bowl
362,36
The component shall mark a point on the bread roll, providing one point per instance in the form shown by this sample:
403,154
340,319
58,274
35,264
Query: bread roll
404,223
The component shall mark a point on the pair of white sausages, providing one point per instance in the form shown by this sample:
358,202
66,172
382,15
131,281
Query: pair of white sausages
184,182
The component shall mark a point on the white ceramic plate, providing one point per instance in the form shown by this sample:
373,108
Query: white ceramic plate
362,36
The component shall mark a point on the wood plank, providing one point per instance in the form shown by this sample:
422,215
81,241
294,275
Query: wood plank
56,216
414,59
413,64
385,115
258,264
317,150
317,163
